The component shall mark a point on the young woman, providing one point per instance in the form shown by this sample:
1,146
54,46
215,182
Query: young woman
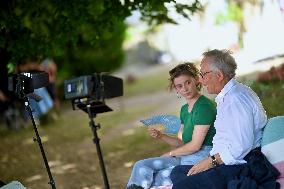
194,140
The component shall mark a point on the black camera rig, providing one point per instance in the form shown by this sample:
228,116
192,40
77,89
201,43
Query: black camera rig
97,86
93,90
88,93
23,85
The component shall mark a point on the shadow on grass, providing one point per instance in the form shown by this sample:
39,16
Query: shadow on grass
71,153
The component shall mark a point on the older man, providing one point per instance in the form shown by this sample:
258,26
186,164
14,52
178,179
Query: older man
239,126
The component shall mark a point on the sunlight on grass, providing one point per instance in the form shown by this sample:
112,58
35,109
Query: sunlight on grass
68,141
70,150
123,152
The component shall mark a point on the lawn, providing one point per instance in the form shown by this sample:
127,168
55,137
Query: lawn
71,153
70,150
271,95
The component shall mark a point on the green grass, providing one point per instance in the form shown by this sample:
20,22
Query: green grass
70,150
272,97
115,118
69,142
129,149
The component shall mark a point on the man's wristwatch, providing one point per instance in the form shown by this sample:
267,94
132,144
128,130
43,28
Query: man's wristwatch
214,161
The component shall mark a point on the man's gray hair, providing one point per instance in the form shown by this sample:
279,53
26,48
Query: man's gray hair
222,60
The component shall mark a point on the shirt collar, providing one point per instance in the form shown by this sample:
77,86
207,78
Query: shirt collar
220,97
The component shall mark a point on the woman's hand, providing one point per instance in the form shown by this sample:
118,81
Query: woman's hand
168,154
155,133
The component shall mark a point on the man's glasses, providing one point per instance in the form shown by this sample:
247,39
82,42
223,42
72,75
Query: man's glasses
203,74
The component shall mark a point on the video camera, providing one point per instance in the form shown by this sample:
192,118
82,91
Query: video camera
24,83
97,86
93,90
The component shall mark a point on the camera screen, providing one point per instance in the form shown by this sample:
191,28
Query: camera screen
78,87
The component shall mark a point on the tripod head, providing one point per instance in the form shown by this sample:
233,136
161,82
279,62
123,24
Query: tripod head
90,106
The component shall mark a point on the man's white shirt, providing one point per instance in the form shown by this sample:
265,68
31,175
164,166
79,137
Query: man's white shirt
239,123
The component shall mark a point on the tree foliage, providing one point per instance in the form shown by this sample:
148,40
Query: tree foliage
235,13
74,30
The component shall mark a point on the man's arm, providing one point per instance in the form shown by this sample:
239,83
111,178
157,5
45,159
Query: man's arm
204,165
235,124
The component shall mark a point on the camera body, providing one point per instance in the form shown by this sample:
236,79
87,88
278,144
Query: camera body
24,83
97,86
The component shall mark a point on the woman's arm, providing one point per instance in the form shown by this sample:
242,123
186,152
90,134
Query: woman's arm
198,136
173,141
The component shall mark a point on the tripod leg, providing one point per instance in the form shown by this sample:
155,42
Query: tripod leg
96,140
28,109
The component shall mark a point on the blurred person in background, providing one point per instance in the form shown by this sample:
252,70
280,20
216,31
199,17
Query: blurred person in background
50,67
10,108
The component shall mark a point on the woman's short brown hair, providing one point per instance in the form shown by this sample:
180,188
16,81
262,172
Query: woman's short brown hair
186,68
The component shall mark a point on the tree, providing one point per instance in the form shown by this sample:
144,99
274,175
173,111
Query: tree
235,13
71,28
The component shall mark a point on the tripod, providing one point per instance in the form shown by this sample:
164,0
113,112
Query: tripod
38,140
92,108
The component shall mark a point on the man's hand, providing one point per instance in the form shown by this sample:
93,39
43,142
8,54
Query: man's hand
155,133
201,166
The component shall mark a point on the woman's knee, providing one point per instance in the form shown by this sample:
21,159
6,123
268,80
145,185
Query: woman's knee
140,163
152,163
137,165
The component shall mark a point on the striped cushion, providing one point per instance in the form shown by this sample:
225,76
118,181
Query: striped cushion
272,145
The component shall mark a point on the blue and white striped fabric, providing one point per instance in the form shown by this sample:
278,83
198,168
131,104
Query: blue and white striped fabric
170,122
272,145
